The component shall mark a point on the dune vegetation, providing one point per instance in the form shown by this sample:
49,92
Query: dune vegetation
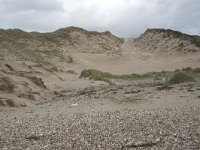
176,76
181,77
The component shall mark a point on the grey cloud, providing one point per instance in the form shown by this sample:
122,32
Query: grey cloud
121,17
24,5
30,15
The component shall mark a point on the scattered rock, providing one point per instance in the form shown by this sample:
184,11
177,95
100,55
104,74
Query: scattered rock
133,92
140,145
74,105
33,137
190,90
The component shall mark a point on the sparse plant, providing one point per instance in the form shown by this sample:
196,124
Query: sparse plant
71,72
106,76
27,96
9,67
196,70
37,81
53,69
187,69
2,103
177,70
93,74
181,77
163,72
157,78
6,84
184,76
70,59
10,103
181,45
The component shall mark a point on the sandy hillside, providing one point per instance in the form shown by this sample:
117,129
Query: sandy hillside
39,63
46,104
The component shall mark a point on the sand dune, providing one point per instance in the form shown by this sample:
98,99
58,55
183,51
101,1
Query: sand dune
45,104
40,63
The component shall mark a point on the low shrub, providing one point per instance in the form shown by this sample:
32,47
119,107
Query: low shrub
94,74
181,77
187,69
196,70
177,70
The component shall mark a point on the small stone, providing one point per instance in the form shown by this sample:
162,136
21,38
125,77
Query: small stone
158,139
32,137
74,105
58,144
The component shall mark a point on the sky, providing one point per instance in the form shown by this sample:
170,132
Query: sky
124,18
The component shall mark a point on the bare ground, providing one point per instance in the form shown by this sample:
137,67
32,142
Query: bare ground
138,115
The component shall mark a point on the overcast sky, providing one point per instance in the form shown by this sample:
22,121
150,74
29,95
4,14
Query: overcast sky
124,18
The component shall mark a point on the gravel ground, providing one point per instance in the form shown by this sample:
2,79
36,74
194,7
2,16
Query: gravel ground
167,128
